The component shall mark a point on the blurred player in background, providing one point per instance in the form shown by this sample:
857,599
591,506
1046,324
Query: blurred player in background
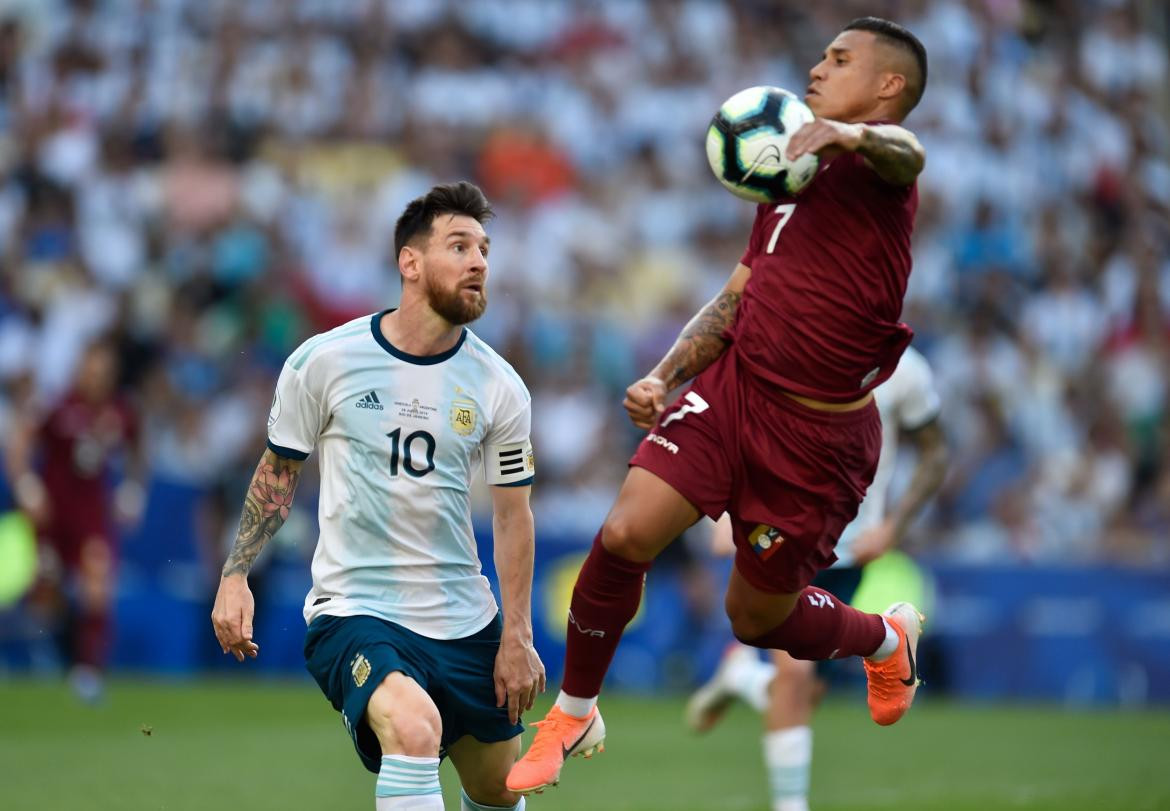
787,690
405,637
61,466
779,429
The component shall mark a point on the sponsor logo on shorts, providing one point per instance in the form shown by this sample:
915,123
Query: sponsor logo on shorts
663,441
765,540
360,667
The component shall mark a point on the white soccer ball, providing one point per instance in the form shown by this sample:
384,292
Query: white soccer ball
747,139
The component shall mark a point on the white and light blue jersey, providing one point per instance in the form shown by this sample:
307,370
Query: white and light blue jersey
907,401
399,438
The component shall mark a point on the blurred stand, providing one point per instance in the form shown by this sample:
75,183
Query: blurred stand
211,182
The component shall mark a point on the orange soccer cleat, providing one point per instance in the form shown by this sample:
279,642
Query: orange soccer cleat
558,737
894,680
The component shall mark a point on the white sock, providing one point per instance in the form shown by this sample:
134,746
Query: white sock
750,679
407,783
576,707
468,804
788,758
888,646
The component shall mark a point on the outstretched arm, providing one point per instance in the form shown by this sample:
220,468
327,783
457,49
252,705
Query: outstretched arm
519,673
697,347
266,507
892,151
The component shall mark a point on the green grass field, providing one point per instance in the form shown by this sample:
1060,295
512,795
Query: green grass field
262,745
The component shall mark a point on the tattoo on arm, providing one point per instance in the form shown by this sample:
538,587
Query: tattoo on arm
266,507
700,343
893,152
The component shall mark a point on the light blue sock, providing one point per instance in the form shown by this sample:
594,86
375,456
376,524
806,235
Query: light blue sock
788,756
468,804
407,782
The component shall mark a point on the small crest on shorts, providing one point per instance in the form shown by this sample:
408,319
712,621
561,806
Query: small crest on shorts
765,540
360,667
463,416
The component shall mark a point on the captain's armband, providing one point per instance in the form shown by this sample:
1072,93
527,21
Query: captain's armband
509,465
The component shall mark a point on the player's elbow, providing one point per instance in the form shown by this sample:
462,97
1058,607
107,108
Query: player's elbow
513,518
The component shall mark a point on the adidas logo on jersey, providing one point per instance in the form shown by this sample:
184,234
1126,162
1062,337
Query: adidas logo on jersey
370,401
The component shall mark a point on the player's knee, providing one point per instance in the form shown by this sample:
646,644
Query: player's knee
754,613
415,729
748,629
621,535
748,622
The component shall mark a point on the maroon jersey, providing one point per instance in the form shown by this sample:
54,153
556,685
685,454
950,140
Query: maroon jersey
819,315
78,441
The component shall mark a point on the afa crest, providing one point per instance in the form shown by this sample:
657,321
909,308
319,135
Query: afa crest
765,540
463,417
360,667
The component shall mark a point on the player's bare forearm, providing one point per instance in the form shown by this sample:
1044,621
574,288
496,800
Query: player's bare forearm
700,342
893,152
519,674
514,535
266,507
928,476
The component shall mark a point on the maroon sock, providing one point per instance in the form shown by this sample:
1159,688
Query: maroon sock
605,599
822,627
93,638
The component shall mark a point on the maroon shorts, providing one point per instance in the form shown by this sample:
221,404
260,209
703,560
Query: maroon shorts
790,476
76,528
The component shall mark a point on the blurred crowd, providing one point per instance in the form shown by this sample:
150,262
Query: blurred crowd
211,182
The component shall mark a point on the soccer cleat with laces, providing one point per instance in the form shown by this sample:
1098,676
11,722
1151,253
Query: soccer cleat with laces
894,680
558,737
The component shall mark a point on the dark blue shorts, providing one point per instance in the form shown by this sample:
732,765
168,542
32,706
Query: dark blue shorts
841,582
350,656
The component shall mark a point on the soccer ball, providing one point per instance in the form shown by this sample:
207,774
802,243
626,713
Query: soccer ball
747,139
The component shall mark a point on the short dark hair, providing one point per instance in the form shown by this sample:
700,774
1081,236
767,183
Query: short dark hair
895,35
449,198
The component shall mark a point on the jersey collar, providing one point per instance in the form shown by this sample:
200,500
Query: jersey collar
420,360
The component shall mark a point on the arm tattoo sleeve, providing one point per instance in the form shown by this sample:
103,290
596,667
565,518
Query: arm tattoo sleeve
700,343
266,507
894,153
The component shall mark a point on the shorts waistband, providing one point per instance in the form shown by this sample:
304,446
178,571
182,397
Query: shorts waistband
865,413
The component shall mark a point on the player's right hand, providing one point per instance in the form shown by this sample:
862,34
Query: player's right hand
645,400
232,617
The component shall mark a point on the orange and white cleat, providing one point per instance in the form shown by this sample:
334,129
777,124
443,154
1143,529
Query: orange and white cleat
894,680
558,737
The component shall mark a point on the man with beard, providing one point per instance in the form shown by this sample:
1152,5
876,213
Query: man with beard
404,636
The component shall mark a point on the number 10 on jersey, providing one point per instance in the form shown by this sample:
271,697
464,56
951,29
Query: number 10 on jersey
406,450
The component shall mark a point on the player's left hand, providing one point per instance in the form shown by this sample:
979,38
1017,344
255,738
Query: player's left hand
874,542
825,137
519,676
